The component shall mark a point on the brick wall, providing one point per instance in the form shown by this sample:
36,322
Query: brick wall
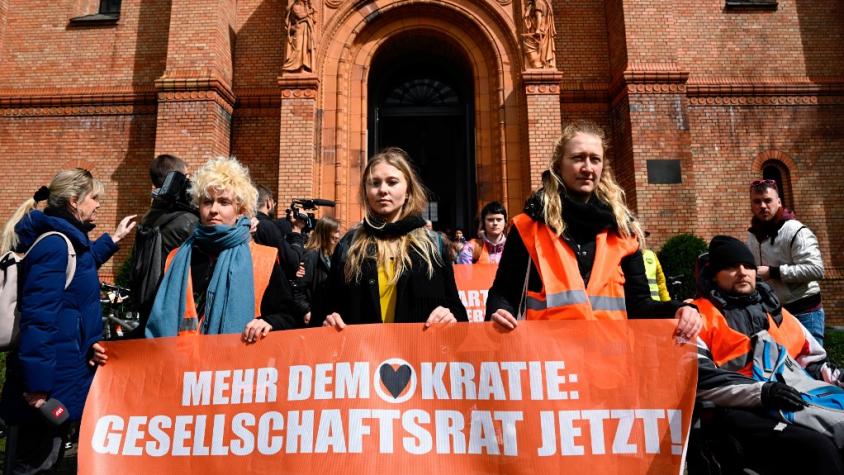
714,88
116,148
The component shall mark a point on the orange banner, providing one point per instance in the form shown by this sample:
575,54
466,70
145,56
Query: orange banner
549,397
473,283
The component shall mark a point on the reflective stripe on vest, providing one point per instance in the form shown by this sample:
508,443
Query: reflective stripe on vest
731,349
563,295
650,271
264,259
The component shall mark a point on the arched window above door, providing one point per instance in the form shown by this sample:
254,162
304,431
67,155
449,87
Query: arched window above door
777,171
422,93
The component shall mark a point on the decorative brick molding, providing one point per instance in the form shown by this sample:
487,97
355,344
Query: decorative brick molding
189,89
773,155
257,98
649,78
777,90
77,101
584,92
298,85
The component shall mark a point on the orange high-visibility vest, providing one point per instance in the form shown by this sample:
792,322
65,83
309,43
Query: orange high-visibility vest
731,349
263,260
564,295
484,257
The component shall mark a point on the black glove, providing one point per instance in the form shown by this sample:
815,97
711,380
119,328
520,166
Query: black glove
776,395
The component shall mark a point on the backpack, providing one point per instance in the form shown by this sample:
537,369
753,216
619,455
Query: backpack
10,289
148,265
824,411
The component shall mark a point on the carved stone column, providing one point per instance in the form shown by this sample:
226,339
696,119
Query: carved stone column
542,88
297,147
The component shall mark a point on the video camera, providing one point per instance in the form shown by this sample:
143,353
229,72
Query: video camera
298,207
174,190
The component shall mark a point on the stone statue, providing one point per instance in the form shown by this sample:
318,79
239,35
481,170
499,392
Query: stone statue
538,39
299,54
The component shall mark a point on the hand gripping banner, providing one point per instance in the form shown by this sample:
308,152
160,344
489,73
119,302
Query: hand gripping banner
550,397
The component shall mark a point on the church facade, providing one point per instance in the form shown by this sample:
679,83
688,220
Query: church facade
699,98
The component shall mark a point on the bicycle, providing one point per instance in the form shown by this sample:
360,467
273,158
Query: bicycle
118,318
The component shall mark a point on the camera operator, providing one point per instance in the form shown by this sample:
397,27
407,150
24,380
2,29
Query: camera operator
289,239
167,224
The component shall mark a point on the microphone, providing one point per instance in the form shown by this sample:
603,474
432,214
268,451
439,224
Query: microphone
54,411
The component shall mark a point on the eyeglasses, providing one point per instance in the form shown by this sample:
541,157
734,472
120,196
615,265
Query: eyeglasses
763,184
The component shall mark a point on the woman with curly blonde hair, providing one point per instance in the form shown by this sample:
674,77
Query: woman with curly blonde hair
578,247
219,281
391,268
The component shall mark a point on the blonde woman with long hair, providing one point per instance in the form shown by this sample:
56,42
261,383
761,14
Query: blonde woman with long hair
58,347
391,269
578,247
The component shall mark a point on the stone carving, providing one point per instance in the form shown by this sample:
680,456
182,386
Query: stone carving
538,38
301,37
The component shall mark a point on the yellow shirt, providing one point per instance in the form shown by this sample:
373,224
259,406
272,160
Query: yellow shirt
387,292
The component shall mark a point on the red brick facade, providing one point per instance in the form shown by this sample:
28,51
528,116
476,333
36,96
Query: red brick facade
722,92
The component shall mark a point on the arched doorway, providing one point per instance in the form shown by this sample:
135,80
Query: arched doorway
420,99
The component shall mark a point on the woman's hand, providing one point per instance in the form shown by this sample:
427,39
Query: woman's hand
504,319
440,315
334,320
99,355
307,318
35,400
256,330
126,225
689,325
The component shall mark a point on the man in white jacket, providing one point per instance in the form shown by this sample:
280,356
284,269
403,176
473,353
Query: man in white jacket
787,256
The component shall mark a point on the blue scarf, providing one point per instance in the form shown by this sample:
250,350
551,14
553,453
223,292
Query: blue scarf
230,298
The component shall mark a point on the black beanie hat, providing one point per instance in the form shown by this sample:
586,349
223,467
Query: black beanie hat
727,251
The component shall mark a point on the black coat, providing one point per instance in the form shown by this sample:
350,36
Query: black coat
314,282
290,245
175,224
417,295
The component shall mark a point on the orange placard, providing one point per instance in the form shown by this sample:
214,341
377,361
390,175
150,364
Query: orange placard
473,283
550,397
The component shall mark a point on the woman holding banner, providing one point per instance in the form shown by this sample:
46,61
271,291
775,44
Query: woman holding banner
578,218
390,269
219,281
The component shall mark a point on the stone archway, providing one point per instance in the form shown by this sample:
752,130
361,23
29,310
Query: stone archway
491,52
421,99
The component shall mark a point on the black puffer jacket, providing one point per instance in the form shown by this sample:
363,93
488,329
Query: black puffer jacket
506,291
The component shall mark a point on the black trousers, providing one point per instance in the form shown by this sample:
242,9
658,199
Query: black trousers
792,450
34,447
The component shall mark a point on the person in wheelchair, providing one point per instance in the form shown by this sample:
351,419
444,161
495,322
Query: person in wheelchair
755,413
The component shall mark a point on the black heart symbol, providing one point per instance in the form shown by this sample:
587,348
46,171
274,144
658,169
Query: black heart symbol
395,380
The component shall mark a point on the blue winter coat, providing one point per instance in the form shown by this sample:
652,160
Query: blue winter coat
57,326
